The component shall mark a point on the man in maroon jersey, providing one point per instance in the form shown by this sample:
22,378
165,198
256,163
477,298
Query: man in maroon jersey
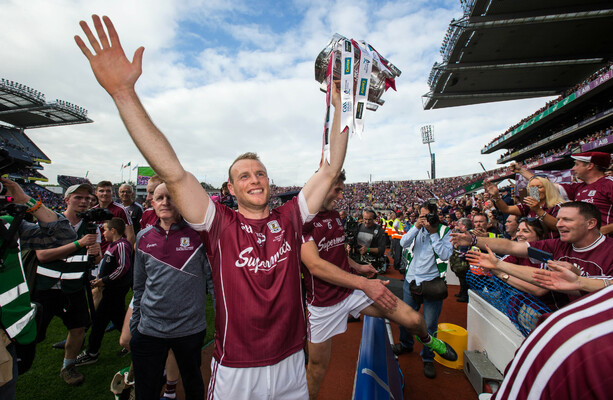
254,253
104,192
333,291
149,216
568,356
580,248
596,188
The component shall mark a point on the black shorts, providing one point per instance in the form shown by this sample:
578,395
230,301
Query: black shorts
70,307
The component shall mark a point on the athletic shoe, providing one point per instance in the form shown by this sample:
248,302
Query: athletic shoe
429,370
399,348
71,376
59,345
441,348
85,358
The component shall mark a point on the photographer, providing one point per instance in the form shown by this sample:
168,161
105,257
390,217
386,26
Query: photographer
17,313
429,245
368,247
62,279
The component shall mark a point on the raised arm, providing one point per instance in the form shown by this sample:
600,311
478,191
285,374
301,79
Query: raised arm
319,184
500,204
118,75
498,245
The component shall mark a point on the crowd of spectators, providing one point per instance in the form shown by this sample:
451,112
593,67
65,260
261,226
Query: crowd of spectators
566,149
567,93
52,200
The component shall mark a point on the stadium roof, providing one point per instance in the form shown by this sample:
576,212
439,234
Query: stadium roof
504,50
24,107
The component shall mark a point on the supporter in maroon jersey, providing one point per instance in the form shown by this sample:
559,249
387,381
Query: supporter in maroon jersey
333,290
568,356
254,253
149,216
104,192
581,247
596,188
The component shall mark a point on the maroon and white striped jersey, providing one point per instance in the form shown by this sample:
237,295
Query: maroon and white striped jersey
568,356
259,316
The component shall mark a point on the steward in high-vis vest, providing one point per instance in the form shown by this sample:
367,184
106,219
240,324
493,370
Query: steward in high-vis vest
62,276
16,311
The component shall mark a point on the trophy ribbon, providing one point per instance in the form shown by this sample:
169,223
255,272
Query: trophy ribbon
363,87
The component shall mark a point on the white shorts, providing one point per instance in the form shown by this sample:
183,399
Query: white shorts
325,322
283,380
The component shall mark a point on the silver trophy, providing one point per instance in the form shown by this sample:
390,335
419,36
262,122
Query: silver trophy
379,75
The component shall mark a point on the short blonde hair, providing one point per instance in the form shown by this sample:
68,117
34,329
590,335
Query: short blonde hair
244,156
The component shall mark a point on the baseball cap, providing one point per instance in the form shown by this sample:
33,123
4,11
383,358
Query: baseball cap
74,188
598,158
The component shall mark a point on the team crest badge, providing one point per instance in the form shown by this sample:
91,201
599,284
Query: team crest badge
338,221
184,242
274,226
592,193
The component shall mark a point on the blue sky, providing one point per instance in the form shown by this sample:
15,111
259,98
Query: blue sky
223,78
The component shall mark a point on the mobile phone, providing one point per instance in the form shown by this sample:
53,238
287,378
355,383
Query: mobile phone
539,256
533,192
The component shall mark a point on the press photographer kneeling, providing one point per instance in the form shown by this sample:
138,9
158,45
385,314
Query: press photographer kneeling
18,332
429,245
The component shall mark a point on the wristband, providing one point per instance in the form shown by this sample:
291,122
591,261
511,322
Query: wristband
33,209
607,282
368,249
30,203
542,217
473,241
76,243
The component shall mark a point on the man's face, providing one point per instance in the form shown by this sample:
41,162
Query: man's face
163,205
572,226
334,195
369,219
480,222
250,184
343,215
107,233
78,201
125,194
461,227
151,185
423,212
512,225
104,194
581,169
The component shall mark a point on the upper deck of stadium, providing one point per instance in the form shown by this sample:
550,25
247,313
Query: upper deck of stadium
505,50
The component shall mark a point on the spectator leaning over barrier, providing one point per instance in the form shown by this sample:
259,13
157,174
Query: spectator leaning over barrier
581,248
530,230
596,188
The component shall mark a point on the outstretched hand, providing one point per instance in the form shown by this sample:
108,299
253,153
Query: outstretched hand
484,260
461,238
114,72
558,277
376,290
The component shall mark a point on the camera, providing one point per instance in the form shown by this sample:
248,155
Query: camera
432,217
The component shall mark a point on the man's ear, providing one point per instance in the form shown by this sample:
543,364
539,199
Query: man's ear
231,188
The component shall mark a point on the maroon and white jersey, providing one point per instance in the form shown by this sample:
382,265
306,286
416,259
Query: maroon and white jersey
149,218
568,356
594,261
599,193
527,212
119,211
327,231
259,316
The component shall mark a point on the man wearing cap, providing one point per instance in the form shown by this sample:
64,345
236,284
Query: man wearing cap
596,188
61,277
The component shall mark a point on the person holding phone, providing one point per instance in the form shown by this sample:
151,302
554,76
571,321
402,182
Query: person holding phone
543,202
581,248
